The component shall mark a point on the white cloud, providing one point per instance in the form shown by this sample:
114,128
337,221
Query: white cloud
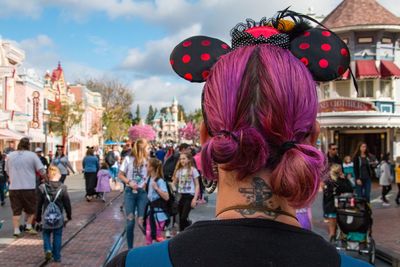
101,46
154,58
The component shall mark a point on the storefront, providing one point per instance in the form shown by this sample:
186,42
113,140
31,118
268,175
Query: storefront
349,122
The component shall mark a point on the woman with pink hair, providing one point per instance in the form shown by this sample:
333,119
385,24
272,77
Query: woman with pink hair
260,106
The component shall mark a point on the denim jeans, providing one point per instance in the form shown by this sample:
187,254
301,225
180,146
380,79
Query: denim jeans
134,202
2,191
364,190
57,240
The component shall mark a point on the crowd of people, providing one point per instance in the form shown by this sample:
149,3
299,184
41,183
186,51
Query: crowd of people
355,175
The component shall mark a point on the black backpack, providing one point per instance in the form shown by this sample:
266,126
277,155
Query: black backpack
110,158
170,206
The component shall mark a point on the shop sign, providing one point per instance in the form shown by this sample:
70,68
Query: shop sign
36,102
345,104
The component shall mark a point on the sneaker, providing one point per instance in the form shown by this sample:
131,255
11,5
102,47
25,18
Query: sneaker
385,204
88,198
48,255
167,234
31,231
17,235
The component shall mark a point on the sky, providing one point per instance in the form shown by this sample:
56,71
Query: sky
131,40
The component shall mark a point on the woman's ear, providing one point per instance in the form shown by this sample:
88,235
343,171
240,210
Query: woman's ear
204,136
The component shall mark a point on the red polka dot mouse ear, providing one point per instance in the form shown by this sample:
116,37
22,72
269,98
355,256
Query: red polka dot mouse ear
193,58
323,52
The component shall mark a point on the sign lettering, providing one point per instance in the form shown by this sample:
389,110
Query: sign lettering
340,105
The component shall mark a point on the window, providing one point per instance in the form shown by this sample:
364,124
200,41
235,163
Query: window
386,88
386,40
366,88
343,88
365,40
325,90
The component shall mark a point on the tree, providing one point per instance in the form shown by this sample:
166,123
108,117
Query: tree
196,116
150,115
138,118
142,131
117,101
190,132
63,117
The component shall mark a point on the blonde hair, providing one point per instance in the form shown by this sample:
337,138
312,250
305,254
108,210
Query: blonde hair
347,157
180,166
139,152
335,171
157,167
53,171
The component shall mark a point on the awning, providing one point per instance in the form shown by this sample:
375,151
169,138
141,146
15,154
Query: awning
345,75
366,69
389,69
7,134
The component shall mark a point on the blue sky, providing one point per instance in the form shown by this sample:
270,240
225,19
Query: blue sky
131,39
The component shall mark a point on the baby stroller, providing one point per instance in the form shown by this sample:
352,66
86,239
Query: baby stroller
354,224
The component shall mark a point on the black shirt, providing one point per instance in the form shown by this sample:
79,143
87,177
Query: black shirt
246,242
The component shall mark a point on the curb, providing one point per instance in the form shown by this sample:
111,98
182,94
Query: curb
388,256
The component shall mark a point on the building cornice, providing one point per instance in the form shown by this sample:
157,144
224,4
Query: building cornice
388,28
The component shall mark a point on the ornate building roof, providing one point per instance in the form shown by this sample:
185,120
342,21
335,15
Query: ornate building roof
56,75
359,12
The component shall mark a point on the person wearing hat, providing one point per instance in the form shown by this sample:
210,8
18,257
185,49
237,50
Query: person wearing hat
21,167
44,161
62,162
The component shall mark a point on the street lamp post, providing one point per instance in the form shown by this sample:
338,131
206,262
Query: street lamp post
46,114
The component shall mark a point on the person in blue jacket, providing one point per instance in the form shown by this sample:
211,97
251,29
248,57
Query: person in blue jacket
90,165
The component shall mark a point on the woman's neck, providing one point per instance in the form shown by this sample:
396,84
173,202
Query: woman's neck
251,198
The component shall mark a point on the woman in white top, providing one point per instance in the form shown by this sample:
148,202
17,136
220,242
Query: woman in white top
385,179
186,178
133,173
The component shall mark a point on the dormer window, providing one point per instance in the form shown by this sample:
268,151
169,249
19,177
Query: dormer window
365,40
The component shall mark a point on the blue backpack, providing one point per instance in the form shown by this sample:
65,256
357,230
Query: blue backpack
53,218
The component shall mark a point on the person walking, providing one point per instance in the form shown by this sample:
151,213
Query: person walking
157,194
332,154
3,180
90,165
21,167
133,173
260,105
186,180
103,181
334,186
363,171
62,162
397,175
53,200
385,179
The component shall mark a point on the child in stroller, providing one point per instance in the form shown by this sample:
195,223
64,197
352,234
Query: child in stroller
354,219
334,186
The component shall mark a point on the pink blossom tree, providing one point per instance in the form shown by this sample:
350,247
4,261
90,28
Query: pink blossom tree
141,131
190,132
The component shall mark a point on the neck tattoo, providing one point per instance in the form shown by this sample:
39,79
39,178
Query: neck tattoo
260,197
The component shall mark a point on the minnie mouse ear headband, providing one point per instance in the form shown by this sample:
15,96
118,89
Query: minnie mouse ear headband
326,56
90,147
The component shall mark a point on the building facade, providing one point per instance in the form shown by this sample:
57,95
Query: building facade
372,115
86,133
